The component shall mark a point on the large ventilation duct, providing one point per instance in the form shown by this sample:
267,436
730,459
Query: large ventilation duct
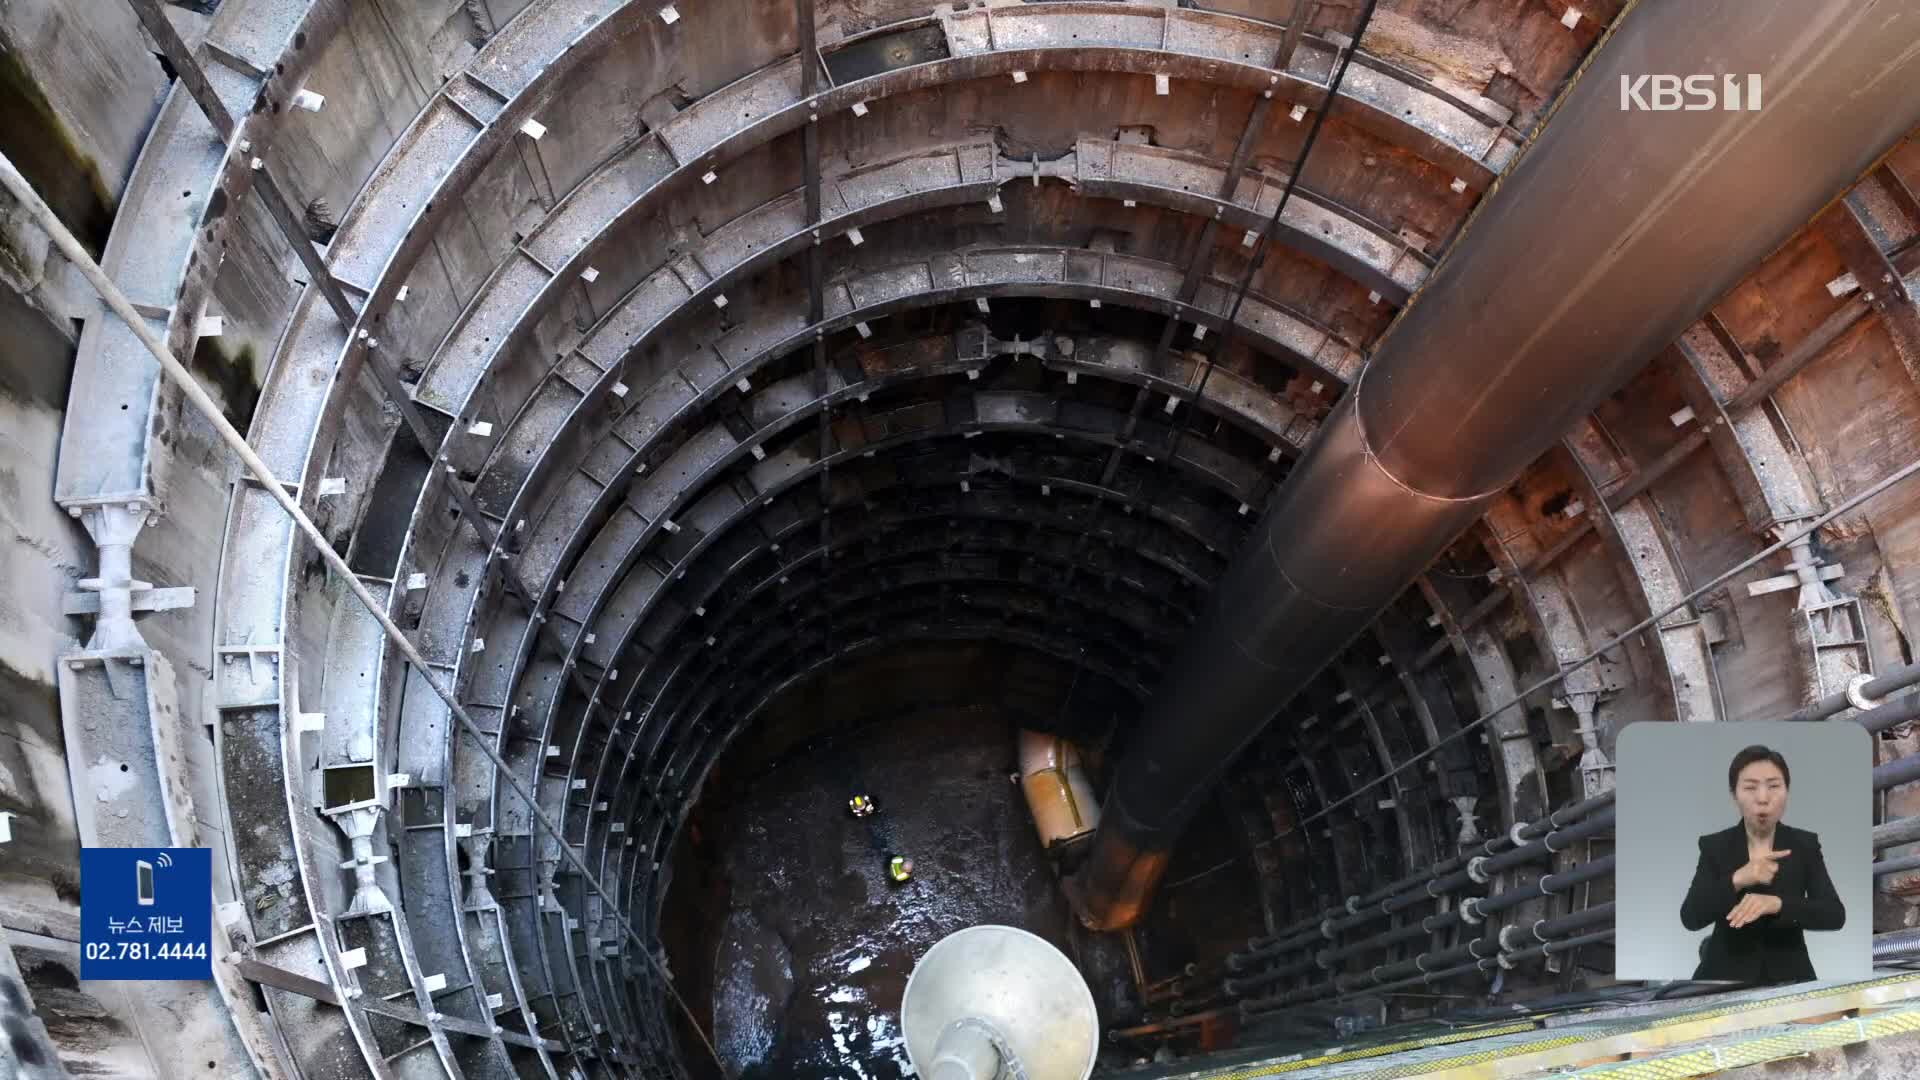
1615,230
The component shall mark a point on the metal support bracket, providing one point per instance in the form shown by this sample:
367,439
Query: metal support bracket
281,979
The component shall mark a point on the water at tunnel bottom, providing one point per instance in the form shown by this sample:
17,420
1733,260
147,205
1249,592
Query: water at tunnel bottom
805,944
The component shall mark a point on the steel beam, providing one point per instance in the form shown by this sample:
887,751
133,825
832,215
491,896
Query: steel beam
1879,279
293,982
273,196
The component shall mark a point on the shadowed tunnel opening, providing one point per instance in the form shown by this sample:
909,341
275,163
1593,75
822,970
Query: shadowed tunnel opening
796,947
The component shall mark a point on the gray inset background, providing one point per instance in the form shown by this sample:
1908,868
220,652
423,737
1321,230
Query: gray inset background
1673,790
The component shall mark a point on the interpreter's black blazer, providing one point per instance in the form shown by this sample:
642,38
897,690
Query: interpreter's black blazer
1773,948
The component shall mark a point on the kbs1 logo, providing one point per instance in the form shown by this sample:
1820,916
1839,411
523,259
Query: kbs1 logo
1690,93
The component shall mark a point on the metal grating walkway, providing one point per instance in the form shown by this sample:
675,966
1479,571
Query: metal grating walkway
1743,1028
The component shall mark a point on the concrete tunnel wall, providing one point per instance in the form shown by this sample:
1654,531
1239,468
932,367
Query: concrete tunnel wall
1435,116
78,103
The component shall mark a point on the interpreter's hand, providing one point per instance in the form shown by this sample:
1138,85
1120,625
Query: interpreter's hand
1753,906
1759,870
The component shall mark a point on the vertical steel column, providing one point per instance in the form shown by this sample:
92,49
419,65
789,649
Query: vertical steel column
816,303
1566,280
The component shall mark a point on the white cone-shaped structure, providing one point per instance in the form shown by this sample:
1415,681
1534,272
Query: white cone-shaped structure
989,996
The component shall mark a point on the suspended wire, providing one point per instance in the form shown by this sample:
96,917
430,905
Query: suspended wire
1265,243
1255,261
1216,867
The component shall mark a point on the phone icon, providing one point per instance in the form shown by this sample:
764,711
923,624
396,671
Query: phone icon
143,870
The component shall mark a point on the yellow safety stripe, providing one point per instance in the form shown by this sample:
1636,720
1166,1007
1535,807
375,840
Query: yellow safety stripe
1772,1047
1479,1057
1377,1051
1808,995
1593,1034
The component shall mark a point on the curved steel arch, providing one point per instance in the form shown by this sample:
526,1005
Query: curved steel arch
625,687
638,454
646,728
719,380
1093,357
911,570
648,731
721,620
745,511
769,100
543,709
664,514
472,571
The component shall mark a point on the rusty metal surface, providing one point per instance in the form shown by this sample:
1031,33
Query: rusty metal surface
1635,530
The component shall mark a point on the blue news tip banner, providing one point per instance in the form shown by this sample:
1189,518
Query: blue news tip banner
146,913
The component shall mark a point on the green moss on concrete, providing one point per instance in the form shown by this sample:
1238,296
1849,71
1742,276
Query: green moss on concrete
33,137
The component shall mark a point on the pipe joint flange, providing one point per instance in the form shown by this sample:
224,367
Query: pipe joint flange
1326,928
1353,905
1234,962
1477,869
1505,960
1470,911
1321,960
1420,963
1514,834
1857,694
1231,987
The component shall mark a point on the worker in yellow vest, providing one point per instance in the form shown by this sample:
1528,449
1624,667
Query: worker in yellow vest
861,806
899,869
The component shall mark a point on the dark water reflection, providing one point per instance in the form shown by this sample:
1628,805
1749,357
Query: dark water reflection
815,946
